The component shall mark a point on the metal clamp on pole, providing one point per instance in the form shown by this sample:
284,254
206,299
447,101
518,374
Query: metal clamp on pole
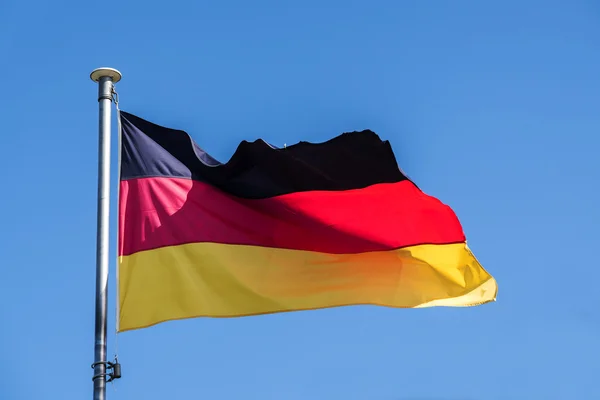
106,78
114,374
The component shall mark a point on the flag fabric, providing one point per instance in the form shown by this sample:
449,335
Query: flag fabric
303,227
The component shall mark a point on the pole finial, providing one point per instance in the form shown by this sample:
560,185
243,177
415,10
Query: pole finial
100,73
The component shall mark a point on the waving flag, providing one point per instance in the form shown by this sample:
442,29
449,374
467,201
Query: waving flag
304,227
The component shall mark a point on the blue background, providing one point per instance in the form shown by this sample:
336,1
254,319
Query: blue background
490,106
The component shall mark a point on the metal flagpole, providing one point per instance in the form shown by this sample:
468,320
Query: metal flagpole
105,77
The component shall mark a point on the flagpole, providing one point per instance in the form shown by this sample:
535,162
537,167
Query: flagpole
106,78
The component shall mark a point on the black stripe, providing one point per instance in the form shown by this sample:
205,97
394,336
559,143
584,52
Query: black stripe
351,160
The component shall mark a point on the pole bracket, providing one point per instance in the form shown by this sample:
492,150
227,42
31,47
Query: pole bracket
115,372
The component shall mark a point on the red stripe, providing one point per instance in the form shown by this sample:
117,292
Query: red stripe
158,212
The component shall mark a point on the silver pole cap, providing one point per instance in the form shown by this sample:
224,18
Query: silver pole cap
99,73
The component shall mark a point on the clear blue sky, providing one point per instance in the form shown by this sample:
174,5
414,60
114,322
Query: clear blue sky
492,108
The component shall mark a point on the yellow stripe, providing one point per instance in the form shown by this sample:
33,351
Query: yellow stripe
219,280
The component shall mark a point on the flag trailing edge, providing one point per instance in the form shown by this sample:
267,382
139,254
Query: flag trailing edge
305,227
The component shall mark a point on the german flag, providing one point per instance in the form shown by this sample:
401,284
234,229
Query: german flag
303,227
